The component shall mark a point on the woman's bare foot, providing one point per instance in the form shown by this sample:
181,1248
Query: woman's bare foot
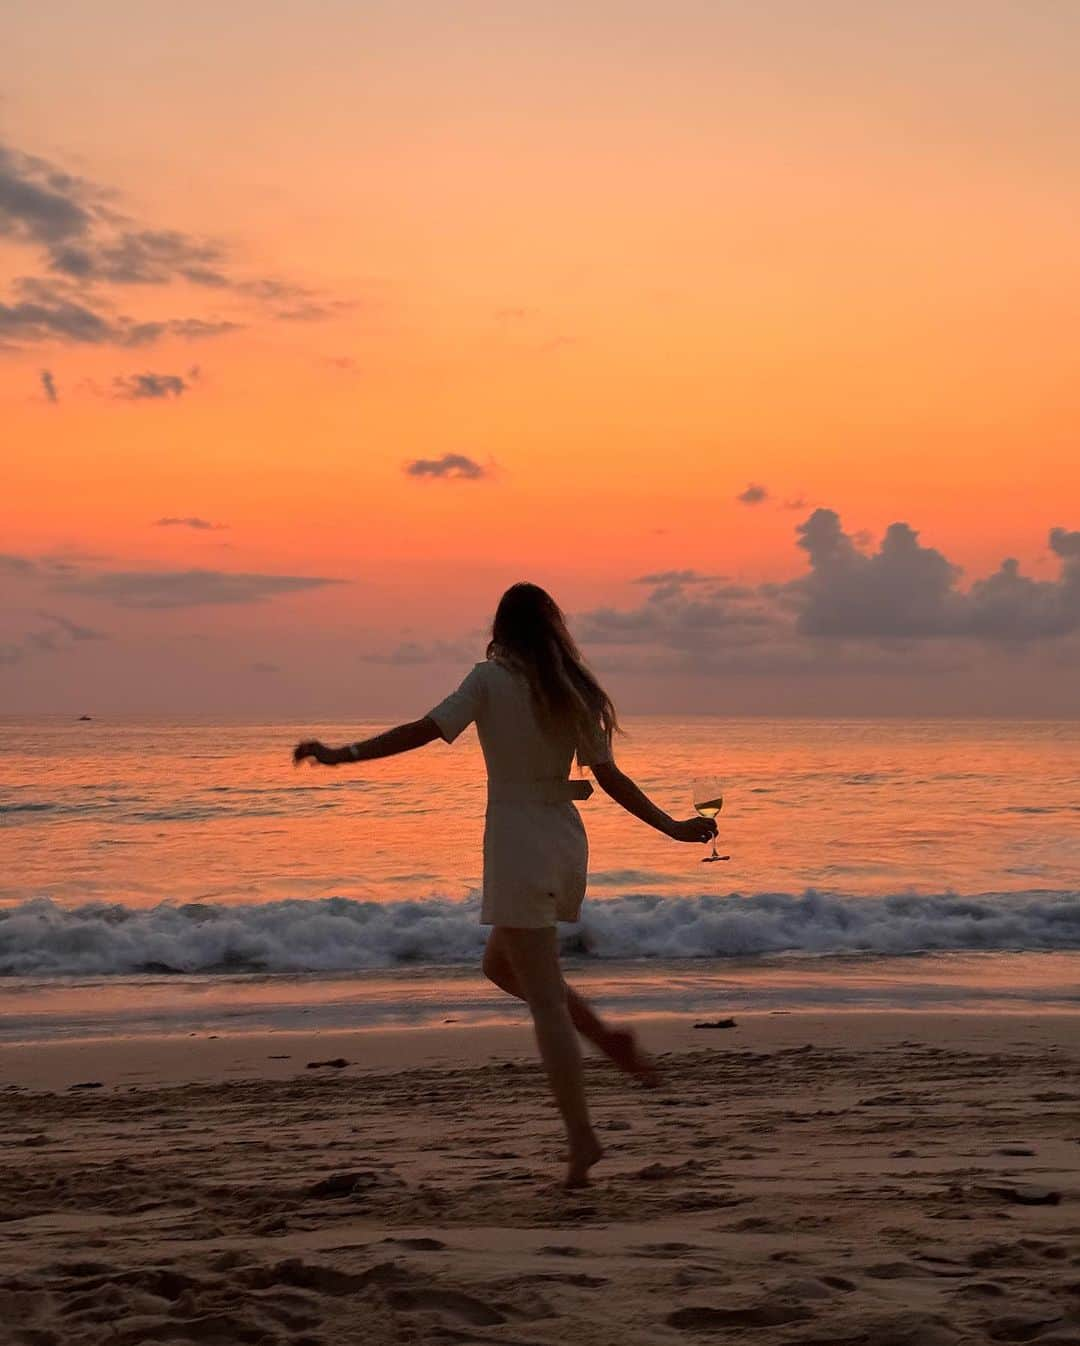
624,1049
583,1154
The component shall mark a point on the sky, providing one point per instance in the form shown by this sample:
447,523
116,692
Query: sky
747,327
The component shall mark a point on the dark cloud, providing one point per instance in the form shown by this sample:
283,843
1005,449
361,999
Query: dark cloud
141,257
666,584
753,495
52,314
17,565
259,666
854,608
451,466
48,385
149,387
59,635
188,521
61,320
38,204
313,310
187,588
152,588
907,590
73,629
87,248
904,589
1065,544
433,652
675,620
66,556
675,577
190,329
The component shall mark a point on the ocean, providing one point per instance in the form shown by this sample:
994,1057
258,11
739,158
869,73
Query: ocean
167,876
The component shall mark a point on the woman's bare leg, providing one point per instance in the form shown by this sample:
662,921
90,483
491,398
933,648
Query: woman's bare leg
533,956
620,1045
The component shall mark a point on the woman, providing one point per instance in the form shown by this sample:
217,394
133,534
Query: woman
536,706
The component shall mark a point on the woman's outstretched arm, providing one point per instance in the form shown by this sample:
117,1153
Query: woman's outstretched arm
634,800
402,738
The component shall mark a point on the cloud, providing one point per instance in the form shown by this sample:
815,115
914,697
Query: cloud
60,635
674,620
48,385
141,257
903,589
40,204
45,312
411,652
854,608
73,629
187,588
753,495
150,387
190,329
188,521
1065,544
675,577
16,565
450,467
667,584
87,251
60,320
314,310
906,590
260,666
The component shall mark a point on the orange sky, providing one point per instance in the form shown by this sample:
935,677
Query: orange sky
628,262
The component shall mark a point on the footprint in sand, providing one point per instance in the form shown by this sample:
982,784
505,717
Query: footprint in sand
453,1304
906,1329
698,1317
1029,1326
671,1249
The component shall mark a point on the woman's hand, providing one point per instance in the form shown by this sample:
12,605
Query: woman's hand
319,751
693,829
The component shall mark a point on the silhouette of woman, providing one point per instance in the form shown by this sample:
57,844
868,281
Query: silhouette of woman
536,705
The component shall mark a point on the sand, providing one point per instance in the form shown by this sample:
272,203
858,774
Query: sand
874,1179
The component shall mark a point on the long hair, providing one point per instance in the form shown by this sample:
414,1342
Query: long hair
530,632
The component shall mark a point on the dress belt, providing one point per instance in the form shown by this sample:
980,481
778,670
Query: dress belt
538,791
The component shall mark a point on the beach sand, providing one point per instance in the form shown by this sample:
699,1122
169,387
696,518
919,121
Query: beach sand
846,1179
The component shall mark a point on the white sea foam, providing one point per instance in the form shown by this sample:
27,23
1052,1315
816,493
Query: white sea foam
41,938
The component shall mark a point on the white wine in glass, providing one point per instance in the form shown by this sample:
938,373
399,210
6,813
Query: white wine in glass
708,801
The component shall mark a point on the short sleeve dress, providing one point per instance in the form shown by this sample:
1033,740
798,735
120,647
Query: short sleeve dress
536,852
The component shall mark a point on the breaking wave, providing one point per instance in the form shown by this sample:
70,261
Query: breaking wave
338,934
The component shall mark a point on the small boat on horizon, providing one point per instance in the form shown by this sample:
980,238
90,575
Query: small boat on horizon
86,717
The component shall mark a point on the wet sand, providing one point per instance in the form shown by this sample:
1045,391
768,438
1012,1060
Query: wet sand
838,1180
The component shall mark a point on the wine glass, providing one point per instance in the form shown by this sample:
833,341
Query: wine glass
708,801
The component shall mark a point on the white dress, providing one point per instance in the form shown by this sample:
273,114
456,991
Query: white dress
536,853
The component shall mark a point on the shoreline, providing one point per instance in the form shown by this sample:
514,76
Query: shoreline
169,1060
99,1010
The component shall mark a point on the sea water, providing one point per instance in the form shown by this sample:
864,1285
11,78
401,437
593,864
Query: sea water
162,873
